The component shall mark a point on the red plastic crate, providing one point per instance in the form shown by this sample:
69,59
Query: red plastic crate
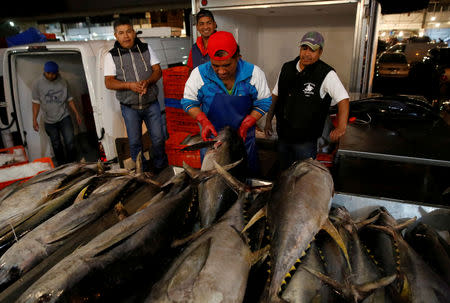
176,156
174,80
10,150
44,160
179,121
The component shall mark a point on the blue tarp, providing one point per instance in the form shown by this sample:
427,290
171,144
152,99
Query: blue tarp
29,36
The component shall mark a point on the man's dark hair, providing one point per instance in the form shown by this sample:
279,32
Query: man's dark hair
121,21
222,53
204,13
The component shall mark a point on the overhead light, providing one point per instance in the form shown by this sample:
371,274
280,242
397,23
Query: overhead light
433,18
437,25
11,24
421,34
400,34
383,34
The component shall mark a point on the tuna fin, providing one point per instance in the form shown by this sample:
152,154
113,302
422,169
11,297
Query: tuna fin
146,179
201,176
260,255
81,195
333,283
260,214
100,168
189,238
234,183
237,185
400,227
192,172
152,200
332,231
385,229
362,223
197,146
371,286
120,211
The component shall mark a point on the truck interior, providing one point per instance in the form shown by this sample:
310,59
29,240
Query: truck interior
29,66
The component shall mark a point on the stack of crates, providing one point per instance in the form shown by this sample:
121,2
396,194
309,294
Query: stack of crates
179,123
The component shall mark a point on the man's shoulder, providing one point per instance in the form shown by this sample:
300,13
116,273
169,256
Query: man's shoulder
325,65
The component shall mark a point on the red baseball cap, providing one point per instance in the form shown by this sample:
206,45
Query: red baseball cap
221,41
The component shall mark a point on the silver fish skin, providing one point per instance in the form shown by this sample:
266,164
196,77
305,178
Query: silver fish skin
212,268
303,286
48,236
43,212
297,210
434,250
417,282
33,194
214,195
363,268
143,233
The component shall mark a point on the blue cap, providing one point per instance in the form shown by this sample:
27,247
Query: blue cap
51,67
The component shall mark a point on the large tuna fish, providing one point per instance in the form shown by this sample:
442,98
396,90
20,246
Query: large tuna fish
140,235
51,234
214,196
43,212
30,195
363,282
303,286
34,192
416,281
296,211
434,250
214,267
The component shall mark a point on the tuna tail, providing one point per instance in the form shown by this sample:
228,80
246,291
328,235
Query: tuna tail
259,215
361,224
201,176
405,224
354,292
332,231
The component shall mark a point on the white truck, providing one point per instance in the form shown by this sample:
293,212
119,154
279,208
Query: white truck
81,64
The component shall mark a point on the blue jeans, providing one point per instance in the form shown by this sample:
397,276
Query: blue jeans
151,116
291,152
54,131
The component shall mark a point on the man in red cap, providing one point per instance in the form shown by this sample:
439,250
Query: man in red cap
302,96
228,91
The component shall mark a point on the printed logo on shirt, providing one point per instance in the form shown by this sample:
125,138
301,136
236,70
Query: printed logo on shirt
308,89
53,96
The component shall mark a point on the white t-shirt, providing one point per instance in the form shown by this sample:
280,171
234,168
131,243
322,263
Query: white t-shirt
331,85
109,68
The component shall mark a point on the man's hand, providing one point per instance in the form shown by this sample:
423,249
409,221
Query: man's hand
268,130
248,122
336,133
207,127
144,85
78,117
137,87
36,125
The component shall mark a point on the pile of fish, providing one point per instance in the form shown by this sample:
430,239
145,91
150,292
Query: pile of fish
84,232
